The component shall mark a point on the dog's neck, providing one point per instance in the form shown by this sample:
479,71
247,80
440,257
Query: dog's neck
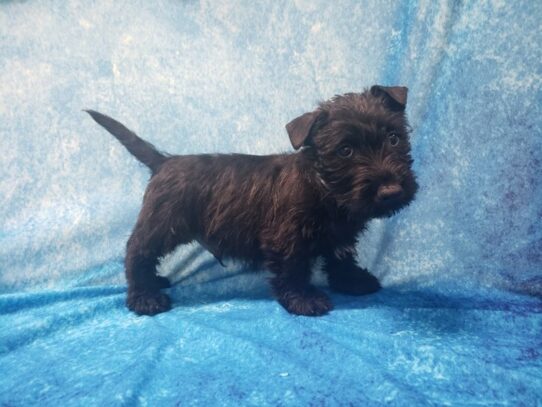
305,161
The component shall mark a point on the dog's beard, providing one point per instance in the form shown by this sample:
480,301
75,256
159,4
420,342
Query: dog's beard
388,210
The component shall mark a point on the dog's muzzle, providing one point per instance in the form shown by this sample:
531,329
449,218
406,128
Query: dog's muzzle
388,199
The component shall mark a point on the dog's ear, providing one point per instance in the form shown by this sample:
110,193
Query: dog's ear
396,96
301,129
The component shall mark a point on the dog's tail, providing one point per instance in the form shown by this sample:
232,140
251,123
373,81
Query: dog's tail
139,148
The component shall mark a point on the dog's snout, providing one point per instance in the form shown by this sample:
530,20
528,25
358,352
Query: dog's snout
389,193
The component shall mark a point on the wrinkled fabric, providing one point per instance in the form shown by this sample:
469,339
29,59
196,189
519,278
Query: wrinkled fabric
459,319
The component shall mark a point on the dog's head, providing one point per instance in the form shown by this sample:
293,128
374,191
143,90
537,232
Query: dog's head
359,144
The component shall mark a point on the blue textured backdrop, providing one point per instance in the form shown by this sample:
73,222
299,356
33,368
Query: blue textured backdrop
460,318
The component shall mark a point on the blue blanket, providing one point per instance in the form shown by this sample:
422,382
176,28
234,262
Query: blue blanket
459,321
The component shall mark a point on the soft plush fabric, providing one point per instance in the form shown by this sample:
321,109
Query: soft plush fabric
459,321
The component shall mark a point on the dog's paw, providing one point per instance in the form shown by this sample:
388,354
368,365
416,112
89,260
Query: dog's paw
357,282
148,303
309,302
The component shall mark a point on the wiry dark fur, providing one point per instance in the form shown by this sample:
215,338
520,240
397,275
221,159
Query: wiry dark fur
281,211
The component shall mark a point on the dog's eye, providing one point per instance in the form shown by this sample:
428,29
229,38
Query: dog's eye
345,151
393,139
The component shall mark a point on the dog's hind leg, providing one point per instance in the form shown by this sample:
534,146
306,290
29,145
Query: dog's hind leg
149,241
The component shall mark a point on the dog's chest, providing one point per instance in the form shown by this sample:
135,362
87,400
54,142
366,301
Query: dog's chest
333,235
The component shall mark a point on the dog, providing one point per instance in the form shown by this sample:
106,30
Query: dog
352,164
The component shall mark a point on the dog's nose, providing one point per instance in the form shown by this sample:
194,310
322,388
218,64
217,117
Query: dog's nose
389,193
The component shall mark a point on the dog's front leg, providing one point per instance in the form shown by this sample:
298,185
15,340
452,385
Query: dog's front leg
345,276
292,288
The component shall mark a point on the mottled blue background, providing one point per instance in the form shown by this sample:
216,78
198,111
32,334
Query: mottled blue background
459,320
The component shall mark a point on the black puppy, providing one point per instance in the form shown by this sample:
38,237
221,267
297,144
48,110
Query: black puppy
281,211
